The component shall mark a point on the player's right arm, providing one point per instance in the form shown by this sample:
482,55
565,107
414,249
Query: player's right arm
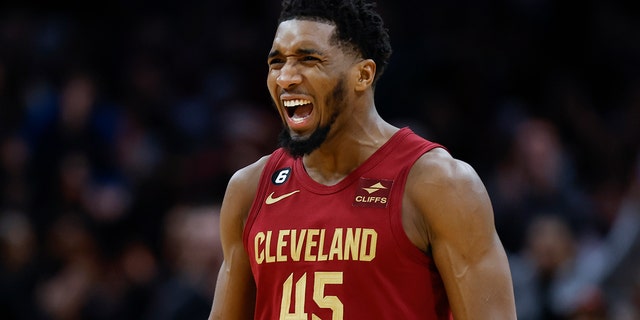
234,297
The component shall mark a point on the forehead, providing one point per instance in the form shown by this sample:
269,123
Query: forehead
303,33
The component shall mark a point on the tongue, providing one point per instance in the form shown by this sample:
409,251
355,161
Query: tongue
303,111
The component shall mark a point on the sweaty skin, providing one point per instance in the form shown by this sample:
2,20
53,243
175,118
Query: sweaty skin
446,209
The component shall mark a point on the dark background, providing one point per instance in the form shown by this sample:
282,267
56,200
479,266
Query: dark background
122,121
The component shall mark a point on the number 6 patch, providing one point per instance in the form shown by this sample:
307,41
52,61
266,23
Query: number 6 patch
281,176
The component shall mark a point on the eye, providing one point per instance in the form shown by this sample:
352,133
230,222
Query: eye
310,59
274,63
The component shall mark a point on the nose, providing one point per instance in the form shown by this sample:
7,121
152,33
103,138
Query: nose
289,75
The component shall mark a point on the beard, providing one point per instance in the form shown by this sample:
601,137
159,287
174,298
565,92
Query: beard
300,147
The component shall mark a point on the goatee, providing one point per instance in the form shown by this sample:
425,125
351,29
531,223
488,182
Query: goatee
299,147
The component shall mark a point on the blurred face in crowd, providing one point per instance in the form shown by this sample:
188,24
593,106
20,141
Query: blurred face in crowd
307,82
550,243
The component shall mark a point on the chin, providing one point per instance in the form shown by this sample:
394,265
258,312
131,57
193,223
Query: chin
298,146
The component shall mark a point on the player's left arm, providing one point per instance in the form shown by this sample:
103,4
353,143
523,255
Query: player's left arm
460,231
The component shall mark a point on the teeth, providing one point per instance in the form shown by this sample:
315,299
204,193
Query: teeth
295,103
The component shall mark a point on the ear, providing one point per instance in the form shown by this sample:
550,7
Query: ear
366,72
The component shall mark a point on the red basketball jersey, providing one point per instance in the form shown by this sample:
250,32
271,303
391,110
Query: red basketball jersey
340,252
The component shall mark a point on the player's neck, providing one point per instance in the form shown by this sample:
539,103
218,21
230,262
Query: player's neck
347,148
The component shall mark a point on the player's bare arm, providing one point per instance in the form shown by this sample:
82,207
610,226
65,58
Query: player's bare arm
234,297
448,212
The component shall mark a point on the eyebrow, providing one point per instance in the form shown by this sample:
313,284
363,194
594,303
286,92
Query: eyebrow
275,53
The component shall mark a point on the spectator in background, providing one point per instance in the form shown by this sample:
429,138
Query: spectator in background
620,254
557,276
547,276
536,176
15,180
72,267
19,266
193,254
72,143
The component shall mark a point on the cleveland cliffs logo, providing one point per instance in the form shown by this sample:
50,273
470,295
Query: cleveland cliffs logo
372,193
376,187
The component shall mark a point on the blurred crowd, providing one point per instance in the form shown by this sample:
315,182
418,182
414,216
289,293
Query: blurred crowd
120,125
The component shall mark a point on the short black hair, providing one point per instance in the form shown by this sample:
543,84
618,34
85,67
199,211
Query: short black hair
358,25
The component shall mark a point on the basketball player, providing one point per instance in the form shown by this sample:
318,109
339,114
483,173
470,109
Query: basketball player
353,218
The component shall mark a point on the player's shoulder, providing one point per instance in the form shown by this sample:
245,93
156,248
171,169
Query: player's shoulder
241,190
438,168
248,177
448,191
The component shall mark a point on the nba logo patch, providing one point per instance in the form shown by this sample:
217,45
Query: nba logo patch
372,193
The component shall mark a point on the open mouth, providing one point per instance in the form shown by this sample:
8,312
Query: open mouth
298,109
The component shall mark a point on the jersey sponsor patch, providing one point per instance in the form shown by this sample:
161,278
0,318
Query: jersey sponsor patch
372,193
